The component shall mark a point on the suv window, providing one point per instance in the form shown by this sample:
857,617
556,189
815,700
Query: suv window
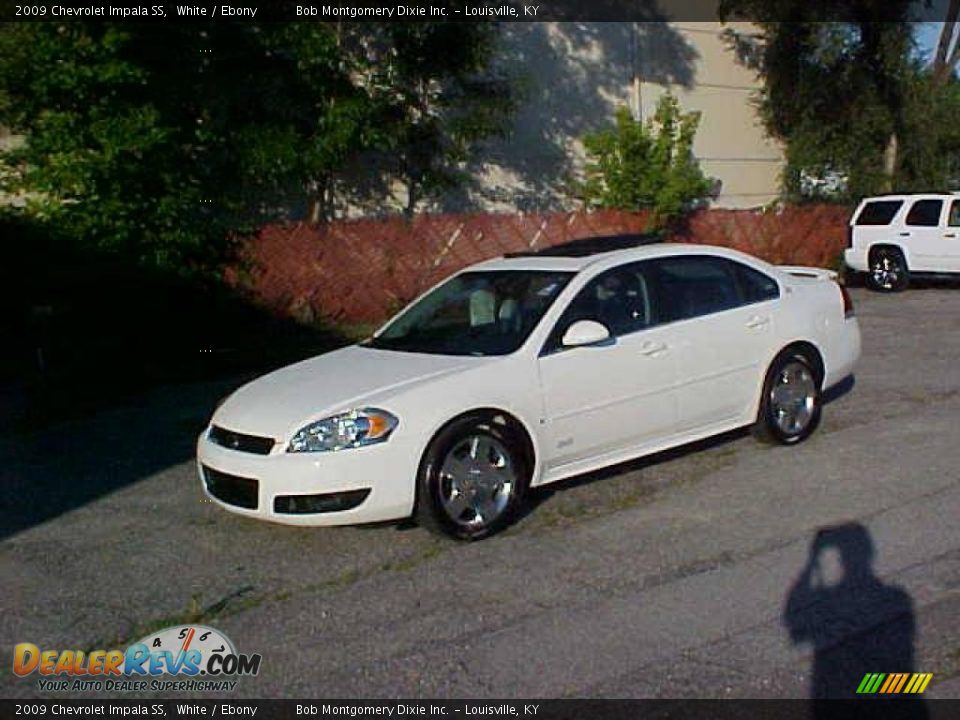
696,285
925,213
878,212
619,298
954,219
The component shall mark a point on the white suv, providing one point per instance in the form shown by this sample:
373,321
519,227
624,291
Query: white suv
892,237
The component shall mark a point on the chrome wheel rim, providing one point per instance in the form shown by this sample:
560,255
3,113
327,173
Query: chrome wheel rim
886,272
793,398
477,478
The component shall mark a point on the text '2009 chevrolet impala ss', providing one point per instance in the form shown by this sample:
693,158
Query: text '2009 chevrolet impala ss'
522,371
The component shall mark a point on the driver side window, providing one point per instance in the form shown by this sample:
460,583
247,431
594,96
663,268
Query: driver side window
618,298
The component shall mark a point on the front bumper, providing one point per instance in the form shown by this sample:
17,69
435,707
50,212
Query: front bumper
374,483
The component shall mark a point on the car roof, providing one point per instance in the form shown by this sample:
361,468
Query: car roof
909,196
603,260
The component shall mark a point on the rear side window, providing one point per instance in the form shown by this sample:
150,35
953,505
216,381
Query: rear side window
954,220
754,285
695,285
925,213
879,212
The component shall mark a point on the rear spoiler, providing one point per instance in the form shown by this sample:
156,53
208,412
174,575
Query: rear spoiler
814,273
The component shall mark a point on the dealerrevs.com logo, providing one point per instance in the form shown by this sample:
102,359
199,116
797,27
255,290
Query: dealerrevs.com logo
199,657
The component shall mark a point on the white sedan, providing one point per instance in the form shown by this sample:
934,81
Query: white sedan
525,370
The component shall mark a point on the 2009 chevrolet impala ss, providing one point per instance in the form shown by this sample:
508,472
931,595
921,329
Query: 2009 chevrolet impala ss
521,371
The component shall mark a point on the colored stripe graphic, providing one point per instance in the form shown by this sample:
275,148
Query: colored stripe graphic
894,683
870,683
903,680
891,680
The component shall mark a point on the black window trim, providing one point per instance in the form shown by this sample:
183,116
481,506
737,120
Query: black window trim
954,204
906,218
900,204
546,350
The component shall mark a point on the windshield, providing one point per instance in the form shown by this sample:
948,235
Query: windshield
475,313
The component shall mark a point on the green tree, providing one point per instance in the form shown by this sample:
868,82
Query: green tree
947,56
159,141
646,166
846,97
163,141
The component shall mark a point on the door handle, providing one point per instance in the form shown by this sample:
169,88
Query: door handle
950,235
904,234
651,349
757,322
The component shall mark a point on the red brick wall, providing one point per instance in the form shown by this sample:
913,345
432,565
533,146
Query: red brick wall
360,271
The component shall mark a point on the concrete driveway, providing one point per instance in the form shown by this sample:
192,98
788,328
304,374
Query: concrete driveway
680,575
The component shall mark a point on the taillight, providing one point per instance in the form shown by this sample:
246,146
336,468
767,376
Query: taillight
847,302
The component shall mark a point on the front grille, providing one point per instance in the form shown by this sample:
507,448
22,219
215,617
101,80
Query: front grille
233,490
314,504
238,441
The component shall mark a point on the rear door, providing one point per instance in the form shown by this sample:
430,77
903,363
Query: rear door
873,224
722,334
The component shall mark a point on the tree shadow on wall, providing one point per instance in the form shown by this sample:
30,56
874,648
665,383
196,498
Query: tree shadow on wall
571,77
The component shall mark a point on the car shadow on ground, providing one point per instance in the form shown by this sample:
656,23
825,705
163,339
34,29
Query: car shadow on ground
111,368
541,496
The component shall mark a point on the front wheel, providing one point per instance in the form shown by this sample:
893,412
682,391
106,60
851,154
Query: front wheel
790,405
888,271
472,480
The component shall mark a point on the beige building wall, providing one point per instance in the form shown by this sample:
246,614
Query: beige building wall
731,144
577,74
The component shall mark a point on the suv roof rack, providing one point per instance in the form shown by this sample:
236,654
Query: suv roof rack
908,193
585,247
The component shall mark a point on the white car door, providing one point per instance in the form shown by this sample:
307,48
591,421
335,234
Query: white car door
722,335
616,394
923,234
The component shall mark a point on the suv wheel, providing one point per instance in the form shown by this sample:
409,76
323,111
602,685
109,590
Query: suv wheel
888,270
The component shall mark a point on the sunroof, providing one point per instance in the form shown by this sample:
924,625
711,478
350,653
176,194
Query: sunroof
593,245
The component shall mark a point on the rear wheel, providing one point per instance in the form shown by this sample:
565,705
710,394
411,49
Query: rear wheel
888,270
790,407
473,479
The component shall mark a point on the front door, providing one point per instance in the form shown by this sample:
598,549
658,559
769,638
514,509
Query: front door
617,394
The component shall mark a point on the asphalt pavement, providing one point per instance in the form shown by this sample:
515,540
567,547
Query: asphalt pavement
695,573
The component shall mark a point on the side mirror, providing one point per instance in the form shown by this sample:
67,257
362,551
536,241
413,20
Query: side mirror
585,332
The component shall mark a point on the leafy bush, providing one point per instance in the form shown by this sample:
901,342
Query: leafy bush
646,166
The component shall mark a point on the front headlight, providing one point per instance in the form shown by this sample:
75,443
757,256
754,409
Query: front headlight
356,428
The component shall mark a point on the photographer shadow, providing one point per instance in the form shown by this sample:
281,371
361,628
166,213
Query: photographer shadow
855,623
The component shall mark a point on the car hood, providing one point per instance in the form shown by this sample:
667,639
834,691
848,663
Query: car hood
278,404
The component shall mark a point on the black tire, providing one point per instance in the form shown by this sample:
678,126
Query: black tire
773,422
888,271
436,489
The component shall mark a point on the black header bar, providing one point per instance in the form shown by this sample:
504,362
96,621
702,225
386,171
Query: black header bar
445,11
873,709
